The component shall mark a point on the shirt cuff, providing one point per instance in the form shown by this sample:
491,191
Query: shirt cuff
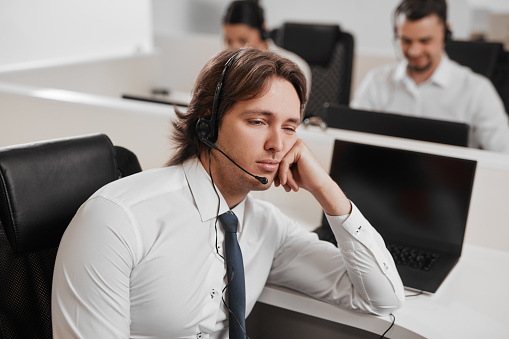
352,231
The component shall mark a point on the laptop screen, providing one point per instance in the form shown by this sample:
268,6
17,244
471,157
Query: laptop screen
397,125
411,198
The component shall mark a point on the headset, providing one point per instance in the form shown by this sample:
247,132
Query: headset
447,31
207,127
447,34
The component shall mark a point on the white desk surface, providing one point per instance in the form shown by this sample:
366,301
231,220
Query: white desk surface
470,303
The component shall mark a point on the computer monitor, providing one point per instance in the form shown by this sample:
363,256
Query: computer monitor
397,125
415,200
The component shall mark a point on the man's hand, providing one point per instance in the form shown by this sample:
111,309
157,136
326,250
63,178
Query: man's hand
300,169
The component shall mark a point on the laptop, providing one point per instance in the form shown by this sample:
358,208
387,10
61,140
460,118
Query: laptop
418,202
397,125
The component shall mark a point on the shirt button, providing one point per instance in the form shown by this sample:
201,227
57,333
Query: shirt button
199,335
213,293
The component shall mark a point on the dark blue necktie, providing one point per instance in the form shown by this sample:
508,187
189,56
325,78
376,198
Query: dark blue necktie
235,272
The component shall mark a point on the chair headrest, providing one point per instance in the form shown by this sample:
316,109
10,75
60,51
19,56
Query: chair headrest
312,42
480,56
43,184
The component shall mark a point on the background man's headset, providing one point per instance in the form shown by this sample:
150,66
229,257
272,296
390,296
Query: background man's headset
207,126
447,31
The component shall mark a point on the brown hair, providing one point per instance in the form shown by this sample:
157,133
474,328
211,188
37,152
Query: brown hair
417,9
246,79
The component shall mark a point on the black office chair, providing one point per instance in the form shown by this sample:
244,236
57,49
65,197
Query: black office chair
486,58
500,78
42,185
480,56
329,53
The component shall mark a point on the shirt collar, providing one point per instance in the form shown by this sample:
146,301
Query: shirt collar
441,76
204,195
400,71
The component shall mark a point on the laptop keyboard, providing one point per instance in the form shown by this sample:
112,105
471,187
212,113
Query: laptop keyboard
413,257
403,255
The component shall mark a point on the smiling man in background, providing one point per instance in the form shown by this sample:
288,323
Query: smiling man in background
428,84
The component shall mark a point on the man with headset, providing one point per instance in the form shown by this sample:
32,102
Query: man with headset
147,256
428,84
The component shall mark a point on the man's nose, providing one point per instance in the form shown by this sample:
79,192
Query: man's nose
414,49
274,141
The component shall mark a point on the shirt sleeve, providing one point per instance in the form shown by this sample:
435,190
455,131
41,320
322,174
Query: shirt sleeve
90,297
359,275
490,121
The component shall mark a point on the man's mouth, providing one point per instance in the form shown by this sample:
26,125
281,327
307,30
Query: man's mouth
268,165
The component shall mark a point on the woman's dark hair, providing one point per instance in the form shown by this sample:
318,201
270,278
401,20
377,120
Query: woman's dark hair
248,13
247,78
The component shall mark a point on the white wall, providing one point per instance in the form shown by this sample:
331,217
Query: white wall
54,31
111,77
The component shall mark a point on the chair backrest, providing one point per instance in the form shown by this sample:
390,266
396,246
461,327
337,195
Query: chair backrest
500,78
42,185
486,58
329,53
480,56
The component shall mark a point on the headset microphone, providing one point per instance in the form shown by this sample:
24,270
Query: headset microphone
263,180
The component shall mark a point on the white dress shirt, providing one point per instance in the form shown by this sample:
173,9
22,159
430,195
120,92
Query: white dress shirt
453,93
139,260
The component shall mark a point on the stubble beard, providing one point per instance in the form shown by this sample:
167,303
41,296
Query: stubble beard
419,69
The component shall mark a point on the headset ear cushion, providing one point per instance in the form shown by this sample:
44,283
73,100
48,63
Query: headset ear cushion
265,35
448,34
203,129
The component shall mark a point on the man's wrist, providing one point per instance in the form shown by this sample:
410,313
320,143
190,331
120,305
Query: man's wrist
332,199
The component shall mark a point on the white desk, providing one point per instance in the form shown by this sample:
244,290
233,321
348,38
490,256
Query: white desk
471,303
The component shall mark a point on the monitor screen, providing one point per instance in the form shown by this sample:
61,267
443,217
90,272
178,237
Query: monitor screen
409,197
